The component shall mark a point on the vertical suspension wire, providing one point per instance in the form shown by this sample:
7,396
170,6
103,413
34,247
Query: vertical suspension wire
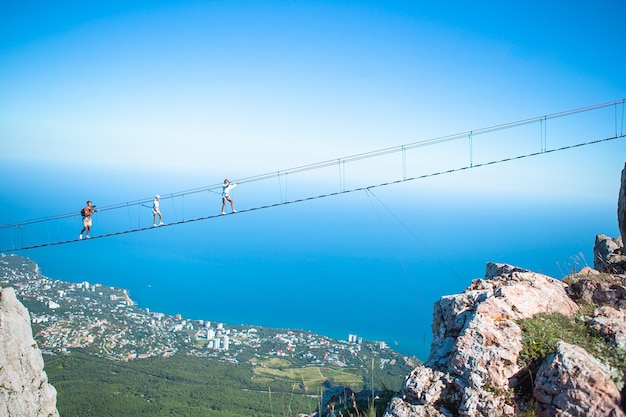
342,174
280,187
403,163
341,166
622,128
286,185
615,118
471,150
174,208
620,131
130,219
543,125
11,236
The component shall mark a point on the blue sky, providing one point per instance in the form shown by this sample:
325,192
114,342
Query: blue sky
121,100
205,85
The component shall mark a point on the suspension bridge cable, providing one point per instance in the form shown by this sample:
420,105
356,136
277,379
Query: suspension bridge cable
390,241
448,267
300,200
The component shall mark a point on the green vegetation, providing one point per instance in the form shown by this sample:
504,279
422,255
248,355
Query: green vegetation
177,386
542,332
185,385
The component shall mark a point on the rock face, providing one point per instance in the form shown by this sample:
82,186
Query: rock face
608,255
611,324
589,290
571,383
473,366
24,387
621,206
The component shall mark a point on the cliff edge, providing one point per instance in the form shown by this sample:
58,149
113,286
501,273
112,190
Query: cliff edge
475,366
24,387
518,342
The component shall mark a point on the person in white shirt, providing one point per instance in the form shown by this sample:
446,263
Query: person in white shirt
156,211
226,195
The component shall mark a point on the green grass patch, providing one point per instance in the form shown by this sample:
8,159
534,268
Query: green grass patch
542,332
276,363
312,377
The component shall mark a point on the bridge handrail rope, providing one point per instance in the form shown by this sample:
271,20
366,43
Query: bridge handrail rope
340,162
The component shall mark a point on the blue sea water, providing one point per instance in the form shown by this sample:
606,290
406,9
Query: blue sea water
356,263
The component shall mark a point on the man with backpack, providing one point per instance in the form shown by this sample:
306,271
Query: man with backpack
86,212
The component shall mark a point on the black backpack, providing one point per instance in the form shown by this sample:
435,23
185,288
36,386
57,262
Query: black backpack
82,212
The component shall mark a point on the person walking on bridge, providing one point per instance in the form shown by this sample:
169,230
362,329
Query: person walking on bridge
226,195
86,212
156,211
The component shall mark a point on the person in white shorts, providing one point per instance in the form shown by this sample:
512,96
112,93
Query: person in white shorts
226,195
87,211
156,211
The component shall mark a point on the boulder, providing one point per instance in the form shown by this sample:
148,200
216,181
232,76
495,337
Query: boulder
608,254
571,383
610,324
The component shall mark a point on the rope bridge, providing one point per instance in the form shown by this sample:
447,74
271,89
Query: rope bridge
418,160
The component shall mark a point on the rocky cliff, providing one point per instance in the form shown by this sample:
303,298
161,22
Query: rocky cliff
521,342
476,365
24,387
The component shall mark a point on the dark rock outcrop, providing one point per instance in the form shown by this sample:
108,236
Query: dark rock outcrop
589,289
608,255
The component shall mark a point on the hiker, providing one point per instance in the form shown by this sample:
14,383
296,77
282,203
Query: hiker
226,195
156,211
86,212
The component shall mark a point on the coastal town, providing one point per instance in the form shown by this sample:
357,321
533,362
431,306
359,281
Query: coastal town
105,322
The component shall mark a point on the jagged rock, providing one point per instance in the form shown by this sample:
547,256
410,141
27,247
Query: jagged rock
24,387
588,271
611,324
621,206
476,344
571,383
608,255
606,292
